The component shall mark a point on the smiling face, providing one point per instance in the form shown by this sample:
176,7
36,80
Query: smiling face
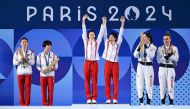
91,35
24,43
146,40
166,40
112,38
47,48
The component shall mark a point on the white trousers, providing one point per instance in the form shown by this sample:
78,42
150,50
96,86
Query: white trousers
166,79
144,74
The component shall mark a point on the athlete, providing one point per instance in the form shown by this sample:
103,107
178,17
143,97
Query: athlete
145,52
111,66
47,64
91,47
24,60
167,57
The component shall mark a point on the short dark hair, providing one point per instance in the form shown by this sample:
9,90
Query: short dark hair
148,35
23,38
46,42
91,31
115,35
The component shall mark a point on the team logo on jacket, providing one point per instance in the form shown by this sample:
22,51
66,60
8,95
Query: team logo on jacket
60,46
178,41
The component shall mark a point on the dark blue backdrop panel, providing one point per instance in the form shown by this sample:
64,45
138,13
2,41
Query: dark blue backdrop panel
14,13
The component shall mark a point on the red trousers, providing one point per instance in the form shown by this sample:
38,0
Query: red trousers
111,71
90,72
47,83
24,86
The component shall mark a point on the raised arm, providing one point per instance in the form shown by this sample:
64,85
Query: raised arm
102,30
84,32
120,37
105,35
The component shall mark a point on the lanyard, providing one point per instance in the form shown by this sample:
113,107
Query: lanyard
47,60
25,55
145,51
165,49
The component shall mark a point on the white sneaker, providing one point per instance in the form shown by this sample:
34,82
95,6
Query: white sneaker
88,101
108,101
142,104
115,101
94,102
